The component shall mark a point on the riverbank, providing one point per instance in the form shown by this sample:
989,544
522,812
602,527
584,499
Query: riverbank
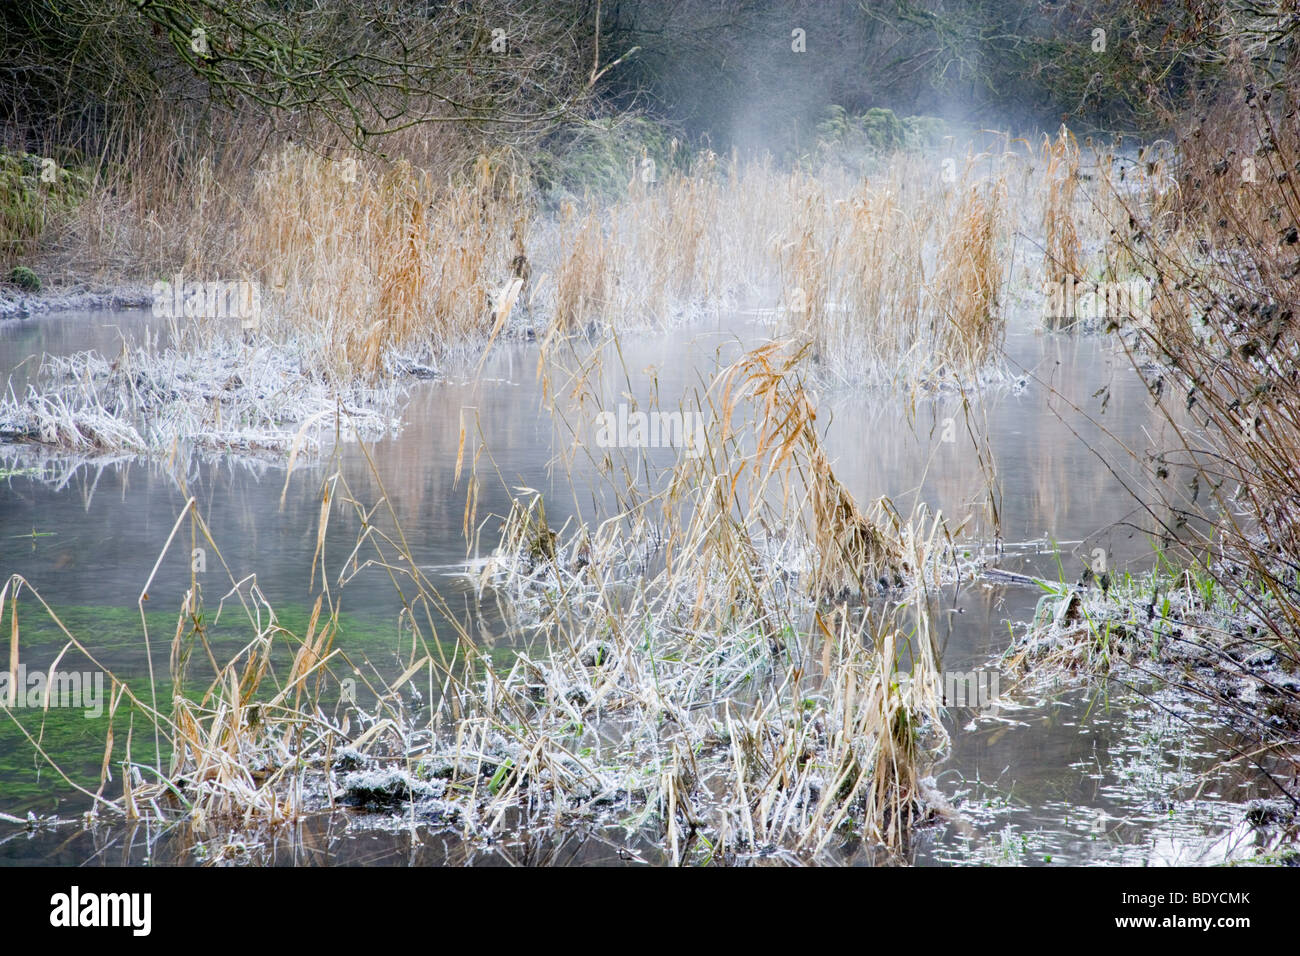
1192,637
72,297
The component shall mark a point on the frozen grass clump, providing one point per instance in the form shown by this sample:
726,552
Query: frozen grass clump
224,396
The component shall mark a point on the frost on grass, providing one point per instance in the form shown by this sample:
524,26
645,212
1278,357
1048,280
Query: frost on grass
227,396
1207,634
536,564
386,789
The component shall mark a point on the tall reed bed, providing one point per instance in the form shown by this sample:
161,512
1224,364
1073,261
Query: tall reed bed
376,260
897,271
896,277
584,281
364,259
1096,203
1062,253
